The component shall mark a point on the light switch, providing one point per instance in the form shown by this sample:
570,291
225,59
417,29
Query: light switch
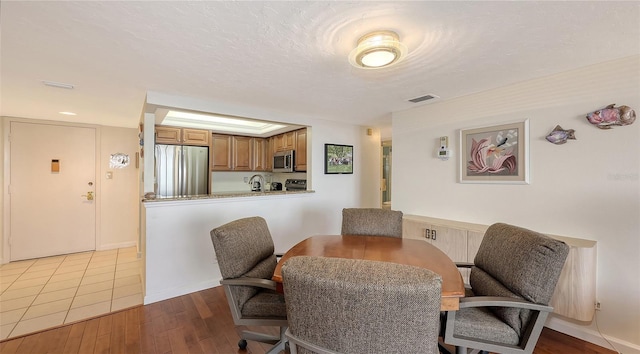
109,175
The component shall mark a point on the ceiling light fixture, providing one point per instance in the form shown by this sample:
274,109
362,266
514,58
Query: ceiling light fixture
58,84
67,113
377,50
219,123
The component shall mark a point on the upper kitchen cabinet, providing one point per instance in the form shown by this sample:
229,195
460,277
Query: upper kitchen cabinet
301,151
242,159
221,148
261,156
231,153
181,136
286,141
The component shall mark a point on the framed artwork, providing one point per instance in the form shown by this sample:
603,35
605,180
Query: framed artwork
495,154
338,159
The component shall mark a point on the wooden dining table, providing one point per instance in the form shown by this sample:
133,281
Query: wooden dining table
386,249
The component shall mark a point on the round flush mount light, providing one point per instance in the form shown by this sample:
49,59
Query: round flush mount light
377,50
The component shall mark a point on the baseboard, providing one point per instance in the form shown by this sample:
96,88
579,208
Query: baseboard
175,292
591,336
111,246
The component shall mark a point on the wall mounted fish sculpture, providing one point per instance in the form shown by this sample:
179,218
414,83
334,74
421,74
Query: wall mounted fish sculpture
559,136
611,115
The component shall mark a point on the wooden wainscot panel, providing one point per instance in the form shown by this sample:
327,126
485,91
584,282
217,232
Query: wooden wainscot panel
575,294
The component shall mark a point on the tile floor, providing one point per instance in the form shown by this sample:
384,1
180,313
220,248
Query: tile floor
47,292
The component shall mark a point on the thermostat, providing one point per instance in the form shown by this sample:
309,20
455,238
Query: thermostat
443,152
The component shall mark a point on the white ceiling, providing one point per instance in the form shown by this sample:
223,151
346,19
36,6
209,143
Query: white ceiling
289,57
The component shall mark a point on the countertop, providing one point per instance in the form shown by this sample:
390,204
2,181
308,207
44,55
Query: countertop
229,194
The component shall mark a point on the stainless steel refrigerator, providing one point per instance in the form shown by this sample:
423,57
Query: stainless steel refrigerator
181,170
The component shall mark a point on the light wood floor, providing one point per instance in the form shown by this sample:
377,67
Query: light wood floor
195,323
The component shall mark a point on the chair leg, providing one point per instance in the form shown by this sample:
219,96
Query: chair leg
281,344
260,337
461,350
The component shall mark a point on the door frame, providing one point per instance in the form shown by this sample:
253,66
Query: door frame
5,255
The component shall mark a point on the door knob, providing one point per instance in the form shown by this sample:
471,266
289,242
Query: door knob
89,195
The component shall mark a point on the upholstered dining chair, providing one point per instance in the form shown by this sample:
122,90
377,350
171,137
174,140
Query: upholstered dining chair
512,280
244,249
371,221
355,306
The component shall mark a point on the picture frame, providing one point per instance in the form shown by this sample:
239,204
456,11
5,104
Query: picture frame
495,154
338,159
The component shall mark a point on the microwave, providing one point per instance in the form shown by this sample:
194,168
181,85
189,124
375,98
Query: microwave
283,161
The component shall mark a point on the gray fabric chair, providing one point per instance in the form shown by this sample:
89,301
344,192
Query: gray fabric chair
244,249
512,280
354,306
371,221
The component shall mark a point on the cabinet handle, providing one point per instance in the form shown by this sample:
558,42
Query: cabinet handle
433,234
426,233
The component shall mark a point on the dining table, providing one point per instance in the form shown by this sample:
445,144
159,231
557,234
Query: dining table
405,251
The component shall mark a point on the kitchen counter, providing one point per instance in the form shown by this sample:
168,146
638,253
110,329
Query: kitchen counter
229,194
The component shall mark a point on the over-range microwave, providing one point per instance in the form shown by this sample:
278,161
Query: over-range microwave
283,161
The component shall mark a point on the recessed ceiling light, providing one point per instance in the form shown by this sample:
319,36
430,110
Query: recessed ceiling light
219,123
67,113
58,85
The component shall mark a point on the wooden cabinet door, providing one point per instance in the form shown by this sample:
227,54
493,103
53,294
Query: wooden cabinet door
414,230
451,241
301,150
196,137
221,152
269,154
290,140
260,148
278,143
168,135
242,153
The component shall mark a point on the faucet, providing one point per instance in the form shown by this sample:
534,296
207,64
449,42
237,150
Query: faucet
260,182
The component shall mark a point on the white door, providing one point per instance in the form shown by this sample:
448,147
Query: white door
50,211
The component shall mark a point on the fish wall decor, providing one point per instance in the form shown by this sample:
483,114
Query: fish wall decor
559,136
611,115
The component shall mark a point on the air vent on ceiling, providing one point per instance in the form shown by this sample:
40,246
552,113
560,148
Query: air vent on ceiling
423,98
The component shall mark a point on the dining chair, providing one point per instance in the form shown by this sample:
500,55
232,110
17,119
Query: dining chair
337,305
244,249
371,221
513,277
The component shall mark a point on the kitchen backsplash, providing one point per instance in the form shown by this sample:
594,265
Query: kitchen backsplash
234,181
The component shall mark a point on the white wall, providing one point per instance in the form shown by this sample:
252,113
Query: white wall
119,201
2,151
587,188
179,255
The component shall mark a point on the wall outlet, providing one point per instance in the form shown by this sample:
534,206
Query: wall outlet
598,307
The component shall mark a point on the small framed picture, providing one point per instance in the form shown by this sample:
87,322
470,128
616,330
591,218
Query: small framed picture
338,159
495,154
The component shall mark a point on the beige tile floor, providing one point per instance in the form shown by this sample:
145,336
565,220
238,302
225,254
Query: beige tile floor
47,292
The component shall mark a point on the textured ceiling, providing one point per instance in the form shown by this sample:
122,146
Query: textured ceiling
289,57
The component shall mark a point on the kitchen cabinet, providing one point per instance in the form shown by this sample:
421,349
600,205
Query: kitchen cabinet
242,159
221,148
181,136
286,141
575,292
301,151
269,154
261,155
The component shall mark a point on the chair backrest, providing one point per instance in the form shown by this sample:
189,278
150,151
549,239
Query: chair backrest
371,221
244,247
360,306
520,263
